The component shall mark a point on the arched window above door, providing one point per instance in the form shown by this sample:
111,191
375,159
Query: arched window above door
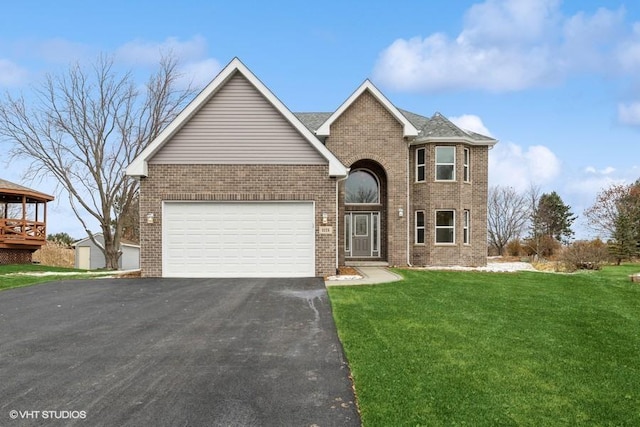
362,187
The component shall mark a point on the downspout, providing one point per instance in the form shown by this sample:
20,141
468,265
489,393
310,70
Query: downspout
408,213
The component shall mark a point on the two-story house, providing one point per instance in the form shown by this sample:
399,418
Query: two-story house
239,186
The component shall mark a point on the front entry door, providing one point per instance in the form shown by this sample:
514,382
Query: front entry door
361,239
362,234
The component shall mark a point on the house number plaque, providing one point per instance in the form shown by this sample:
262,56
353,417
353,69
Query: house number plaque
324,229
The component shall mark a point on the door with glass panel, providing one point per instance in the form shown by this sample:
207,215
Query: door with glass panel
362,234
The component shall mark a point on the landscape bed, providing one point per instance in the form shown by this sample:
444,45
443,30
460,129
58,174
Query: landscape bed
479,348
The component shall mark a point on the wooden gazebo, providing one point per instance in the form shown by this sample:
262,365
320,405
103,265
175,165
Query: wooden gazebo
23,222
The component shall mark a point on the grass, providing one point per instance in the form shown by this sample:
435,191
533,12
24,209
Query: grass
10,276
491,349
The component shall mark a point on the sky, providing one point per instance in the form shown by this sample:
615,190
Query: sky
557,83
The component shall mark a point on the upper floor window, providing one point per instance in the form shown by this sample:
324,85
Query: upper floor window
445,163
466,165
362,187
445,226
420,164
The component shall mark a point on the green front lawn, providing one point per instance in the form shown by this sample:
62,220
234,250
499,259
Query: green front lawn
470,348
18,275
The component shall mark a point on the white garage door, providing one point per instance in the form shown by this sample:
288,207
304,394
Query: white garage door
238,239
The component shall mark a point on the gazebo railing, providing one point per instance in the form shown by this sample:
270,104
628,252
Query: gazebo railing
18,229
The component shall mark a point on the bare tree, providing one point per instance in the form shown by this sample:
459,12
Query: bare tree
84,127
535,239
603,214
506,216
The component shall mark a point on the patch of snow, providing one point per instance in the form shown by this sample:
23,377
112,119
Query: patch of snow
59,273
344,277
491,266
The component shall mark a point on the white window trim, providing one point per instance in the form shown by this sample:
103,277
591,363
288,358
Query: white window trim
423,165
466,166
423,228
446,164
466,227
436,226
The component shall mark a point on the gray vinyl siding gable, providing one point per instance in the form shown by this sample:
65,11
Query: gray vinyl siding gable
238,125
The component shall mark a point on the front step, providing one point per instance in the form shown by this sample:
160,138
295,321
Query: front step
366,263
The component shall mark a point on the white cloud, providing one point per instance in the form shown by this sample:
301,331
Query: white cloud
143,52
199,73
593,171
629,114
520,21
196,68
11,74
511,165
628,52
510,45
438,63
588,39
471,122
590,184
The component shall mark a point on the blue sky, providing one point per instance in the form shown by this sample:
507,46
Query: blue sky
557,83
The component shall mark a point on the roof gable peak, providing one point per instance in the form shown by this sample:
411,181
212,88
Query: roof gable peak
139,166
409,130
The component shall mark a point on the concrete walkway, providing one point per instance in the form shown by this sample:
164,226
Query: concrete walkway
370,276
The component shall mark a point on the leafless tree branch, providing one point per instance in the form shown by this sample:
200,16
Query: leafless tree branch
84,127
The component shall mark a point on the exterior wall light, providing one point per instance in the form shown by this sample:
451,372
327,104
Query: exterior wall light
400,212
150,218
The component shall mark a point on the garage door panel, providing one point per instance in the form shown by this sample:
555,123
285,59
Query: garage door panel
243,239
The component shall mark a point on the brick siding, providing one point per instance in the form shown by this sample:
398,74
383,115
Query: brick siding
367,131
458,195
235,183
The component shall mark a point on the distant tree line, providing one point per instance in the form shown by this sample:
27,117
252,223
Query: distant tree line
539,222
540,225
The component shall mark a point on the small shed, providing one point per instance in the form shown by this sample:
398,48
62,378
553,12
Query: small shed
89,256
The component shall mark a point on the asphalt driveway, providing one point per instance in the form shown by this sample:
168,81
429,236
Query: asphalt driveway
167,352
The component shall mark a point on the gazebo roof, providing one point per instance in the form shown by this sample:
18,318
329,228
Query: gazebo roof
12,192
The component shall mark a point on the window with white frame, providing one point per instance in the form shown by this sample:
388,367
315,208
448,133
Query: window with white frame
420,164
445,226
466,165
445,163
362,187
419,227
466,227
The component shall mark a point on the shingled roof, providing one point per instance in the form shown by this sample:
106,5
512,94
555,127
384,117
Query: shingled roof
8,187
435,128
